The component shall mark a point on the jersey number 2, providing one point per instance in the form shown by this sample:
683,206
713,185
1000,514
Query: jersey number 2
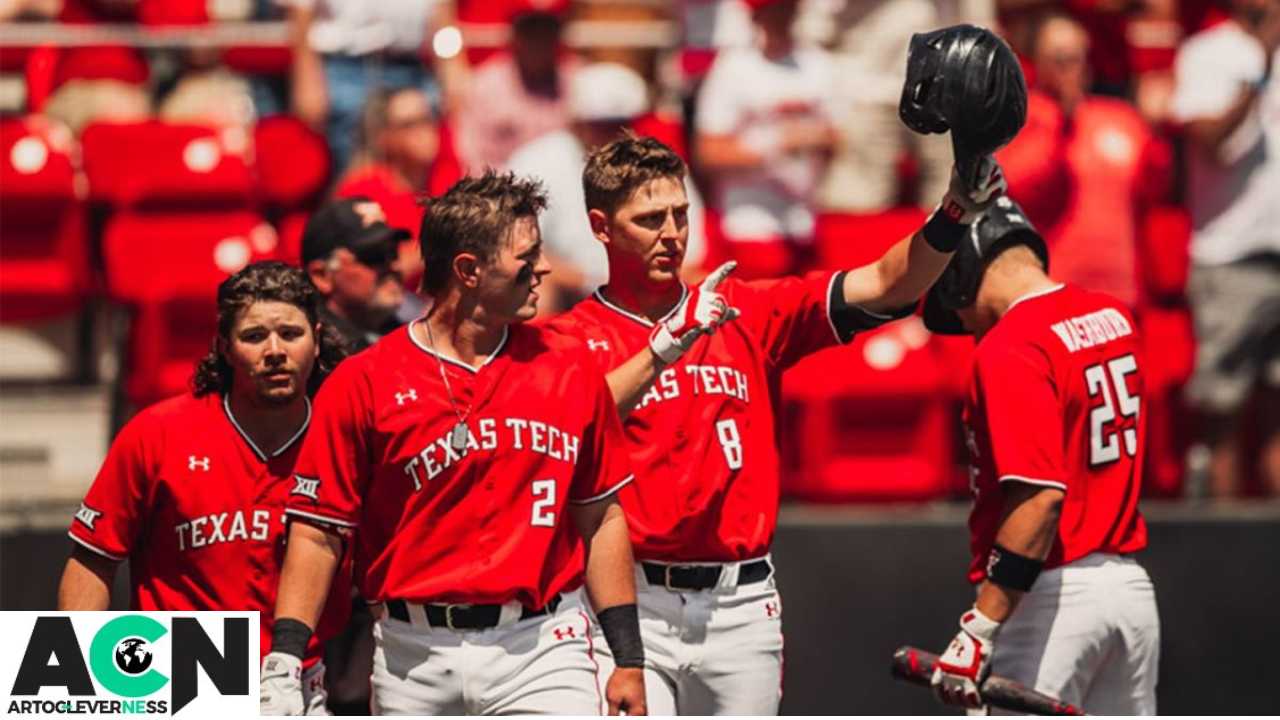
1104,445
545,493
730,442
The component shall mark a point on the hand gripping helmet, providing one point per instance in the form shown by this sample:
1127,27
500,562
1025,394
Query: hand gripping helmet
964,79
1002,225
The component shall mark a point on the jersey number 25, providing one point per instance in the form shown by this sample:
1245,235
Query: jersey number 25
1107,380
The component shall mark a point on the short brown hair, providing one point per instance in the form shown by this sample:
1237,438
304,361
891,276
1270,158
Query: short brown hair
269,281
473,216
616,170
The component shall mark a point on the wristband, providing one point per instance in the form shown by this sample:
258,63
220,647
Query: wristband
1011,570
942,233
621,626
290,636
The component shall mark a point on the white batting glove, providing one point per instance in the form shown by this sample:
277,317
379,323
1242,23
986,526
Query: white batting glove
963,204
702,312
281,685
967,661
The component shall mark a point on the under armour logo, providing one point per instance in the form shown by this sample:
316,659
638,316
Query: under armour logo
771,609
564,632
194,462
87,515
597,344
410,395
305,486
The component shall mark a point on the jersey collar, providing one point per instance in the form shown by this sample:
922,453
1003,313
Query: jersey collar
226,408
1035,294
600,298
506,332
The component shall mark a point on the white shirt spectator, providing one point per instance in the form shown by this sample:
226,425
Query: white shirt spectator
363,27
750,96
1235,202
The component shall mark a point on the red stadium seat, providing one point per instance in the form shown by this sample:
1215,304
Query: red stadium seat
44,270
846,240
166,267
161,165
292,161
870,422
290,229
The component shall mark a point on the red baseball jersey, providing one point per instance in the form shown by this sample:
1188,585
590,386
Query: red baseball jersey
198,510
703,439
1055,400
483,524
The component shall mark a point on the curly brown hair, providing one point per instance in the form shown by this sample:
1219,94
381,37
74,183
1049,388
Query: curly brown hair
616,170
473,216
270,281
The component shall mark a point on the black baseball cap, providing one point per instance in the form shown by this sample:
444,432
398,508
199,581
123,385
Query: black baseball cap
357,224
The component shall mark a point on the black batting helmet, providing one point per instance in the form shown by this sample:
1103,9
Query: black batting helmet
1002,225
964,79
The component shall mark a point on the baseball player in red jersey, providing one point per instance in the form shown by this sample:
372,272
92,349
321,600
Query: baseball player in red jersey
193,489
1054,426
476,464
700,417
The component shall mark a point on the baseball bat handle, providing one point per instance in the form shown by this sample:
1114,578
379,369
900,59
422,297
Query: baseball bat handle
916,666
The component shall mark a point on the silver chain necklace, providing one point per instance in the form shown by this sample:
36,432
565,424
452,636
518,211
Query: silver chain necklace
457,436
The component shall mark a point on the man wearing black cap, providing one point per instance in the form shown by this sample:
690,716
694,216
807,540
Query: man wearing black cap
349,252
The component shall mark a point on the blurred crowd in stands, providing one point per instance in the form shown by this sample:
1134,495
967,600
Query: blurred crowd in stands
151,147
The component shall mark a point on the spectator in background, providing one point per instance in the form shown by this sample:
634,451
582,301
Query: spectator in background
350,254
765,134
1085,167
342,49
604,100
869,39
516,96
397,145
1227,99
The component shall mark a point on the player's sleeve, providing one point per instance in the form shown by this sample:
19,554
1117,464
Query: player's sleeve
795,316
604,463
1019,396
333,466
115,508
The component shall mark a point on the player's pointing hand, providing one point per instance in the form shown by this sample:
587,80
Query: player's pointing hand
700,314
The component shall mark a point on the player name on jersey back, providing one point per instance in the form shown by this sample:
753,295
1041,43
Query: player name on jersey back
1092,329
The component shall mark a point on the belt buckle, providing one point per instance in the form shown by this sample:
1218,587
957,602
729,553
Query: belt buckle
666,577
448,615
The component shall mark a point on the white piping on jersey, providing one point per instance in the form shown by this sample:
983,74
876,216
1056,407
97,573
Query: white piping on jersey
93,548
684,293
226,407
1033,481
1035,294
321,518
587,501
472,368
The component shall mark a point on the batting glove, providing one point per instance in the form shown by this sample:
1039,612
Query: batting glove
281,685
967,661
702,312
962,203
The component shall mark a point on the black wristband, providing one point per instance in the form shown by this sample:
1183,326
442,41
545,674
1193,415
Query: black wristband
942,233
1011,570
849,319
290,636
621,626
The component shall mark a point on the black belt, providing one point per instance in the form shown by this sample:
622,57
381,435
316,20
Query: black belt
702,577
465,617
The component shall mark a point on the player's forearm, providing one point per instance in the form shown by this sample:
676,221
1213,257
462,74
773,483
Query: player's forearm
1029,528
310,559
610,577
86,583
632,379
1208,134
725,153
899,278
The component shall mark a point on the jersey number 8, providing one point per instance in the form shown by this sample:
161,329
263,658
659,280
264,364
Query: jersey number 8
730,442
1104,445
